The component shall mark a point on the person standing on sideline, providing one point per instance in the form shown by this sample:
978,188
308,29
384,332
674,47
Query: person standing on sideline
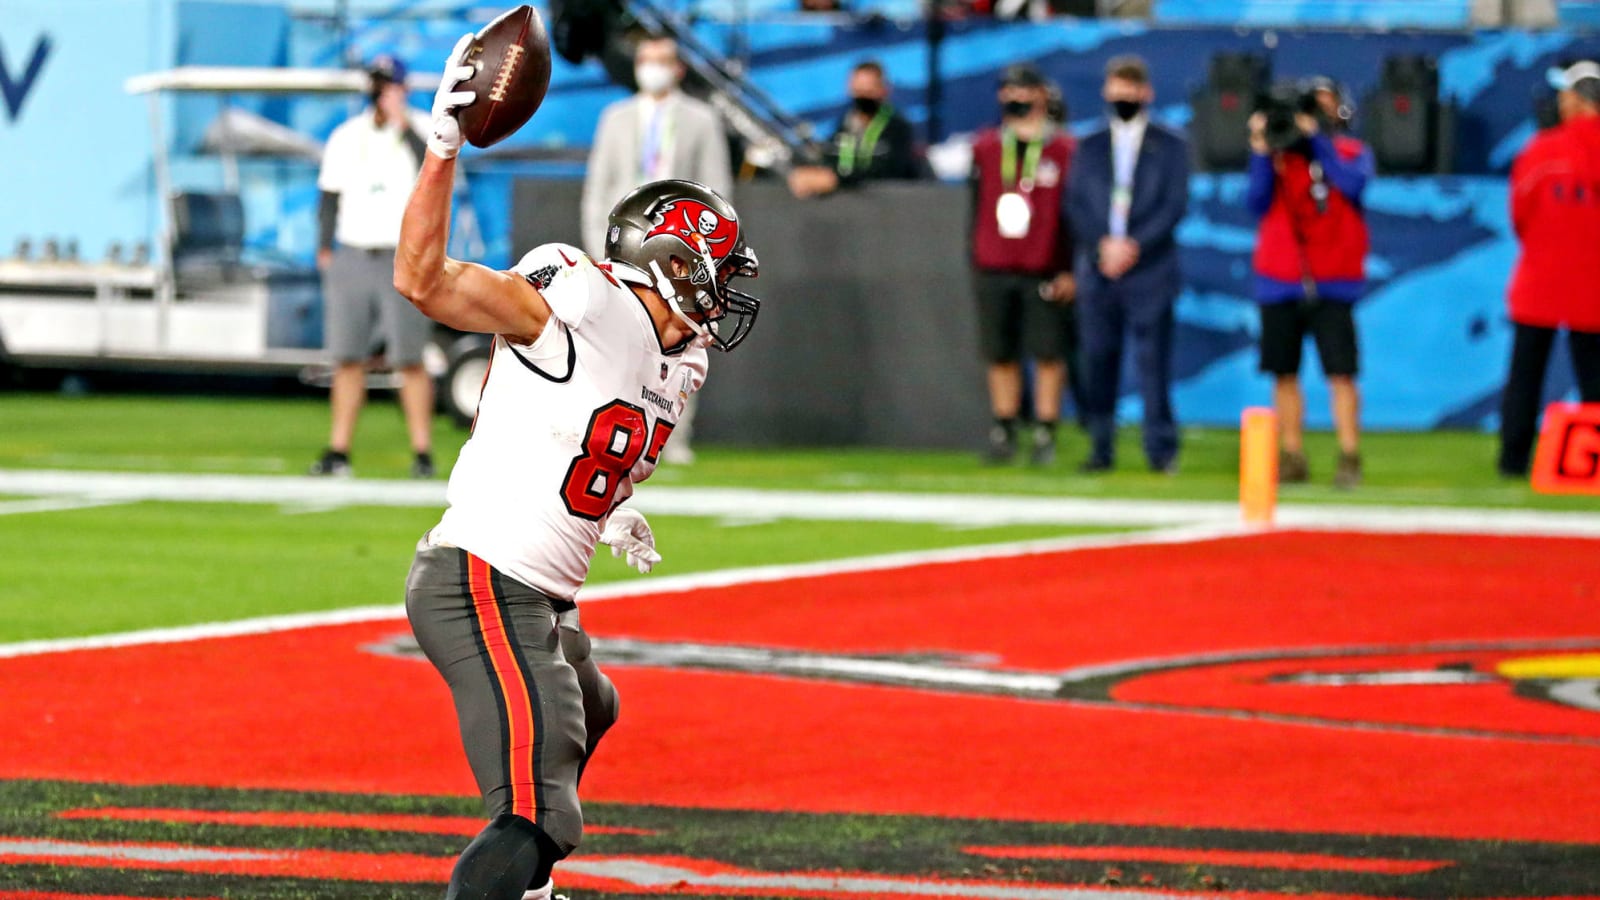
1128,191
1022,262
368,167
873,141
1555,209
658,133
1310,264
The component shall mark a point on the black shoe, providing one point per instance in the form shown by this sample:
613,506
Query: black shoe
1092,466
422,466
1002,449
1170,467
1044,448
1293,468
333,464
1348,475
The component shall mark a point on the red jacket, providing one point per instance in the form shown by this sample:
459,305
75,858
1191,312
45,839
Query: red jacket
1047,247
1555,209
1296,235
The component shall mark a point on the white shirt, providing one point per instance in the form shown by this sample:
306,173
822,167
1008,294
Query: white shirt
1126,138
566,426
372,170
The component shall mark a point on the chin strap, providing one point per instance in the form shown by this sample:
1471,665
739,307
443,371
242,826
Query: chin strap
663,286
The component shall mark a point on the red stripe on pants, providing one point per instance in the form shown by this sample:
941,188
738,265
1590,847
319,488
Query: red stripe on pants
513,687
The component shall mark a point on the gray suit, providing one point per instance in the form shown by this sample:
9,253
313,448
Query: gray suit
697,150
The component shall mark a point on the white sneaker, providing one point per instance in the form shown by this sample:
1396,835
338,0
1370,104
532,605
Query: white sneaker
545,893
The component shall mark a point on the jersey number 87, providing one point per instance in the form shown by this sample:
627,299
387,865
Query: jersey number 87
612,445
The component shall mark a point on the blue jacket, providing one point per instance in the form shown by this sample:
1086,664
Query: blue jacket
1160,198
1297,233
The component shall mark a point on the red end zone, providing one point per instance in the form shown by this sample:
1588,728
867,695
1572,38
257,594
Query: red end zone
1419,718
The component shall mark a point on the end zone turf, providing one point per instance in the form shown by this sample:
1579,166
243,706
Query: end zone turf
1257,710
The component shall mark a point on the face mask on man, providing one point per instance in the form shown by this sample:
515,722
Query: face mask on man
867,106
654,78
1126,109
1016,109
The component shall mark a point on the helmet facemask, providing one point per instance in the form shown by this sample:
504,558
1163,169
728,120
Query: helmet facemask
683,259
707,292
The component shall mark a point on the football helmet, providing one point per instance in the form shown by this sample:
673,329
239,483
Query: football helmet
688,222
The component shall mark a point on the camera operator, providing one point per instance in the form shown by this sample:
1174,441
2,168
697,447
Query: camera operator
1306,179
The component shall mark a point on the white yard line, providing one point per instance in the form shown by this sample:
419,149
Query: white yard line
262,625
733,503
52,504
634,587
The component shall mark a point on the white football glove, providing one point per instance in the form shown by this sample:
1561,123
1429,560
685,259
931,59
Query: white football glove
628,534
444,137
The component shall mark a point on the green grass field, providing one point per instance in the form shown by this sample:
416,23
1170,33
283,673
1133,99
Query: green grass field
143,565
121,567
282,436
124,566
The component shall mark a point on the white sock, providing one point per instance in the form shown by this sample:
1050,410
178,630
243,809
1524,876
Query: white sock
542,893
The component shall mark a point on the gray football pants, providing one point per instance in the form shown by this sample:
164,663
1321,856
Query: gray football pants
531,703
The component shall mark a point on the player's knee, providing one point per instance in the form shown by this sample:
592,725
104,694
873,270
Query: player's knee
510,854
609,701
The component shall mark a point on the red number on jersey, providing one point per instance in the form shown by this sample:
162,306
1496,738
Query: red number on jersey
658,439
614,442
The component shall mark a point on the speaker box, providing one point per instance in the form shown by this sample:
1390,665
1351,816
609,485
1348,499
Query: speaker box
1221,109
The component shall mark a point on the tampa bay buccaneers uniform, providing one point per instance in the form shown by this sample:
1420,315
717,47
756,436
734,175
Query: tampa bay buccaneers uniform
566,426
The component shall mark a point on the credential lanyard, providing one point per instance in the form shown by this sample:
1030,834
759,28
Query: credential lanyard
1008,162
869,141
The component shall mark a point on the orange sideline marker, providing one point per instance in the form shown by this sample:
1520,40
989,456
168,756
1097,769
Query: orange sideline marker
1568,459
1258,466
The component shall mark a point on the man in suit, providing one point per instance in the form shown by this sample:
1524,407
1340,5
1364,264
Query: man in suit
656,134
1128,189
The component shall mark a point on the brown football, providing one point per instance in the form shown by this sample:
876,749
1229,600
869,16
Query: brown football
512,59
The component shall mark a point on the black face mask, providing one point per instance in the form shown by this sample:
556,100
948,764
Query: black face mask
867,106
1016,109
1126,109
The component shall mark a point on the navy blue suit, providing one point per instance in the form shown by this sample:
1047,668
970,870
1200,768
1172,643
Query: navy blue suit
1140,302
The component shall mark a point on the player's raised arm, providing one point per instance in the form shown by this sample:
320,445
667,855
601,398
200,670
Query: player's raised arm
462,295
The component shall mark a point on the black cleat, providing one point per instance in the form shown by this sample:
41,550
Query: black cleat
1043,453
1293,468
332,464
1347,477
1002,449
422,466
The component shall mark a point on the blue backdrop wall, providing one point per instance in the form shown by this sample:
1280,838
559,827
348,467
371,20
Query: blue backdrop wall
1433,328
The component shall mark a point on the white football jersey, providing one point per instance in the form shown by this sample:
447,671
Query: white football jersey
566,425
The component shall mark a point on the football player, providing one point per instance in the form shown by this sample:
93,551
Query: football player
592,364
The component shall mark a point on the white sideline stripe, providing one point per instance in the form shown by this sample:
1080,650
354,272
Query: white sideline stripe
275,489
761,574
51,504
652,586
649,874
178,634
738,504
125,852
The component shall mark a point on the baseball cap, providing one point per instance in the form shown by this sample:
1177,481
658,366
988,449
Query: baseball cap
387,67
1566,79
1022,75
